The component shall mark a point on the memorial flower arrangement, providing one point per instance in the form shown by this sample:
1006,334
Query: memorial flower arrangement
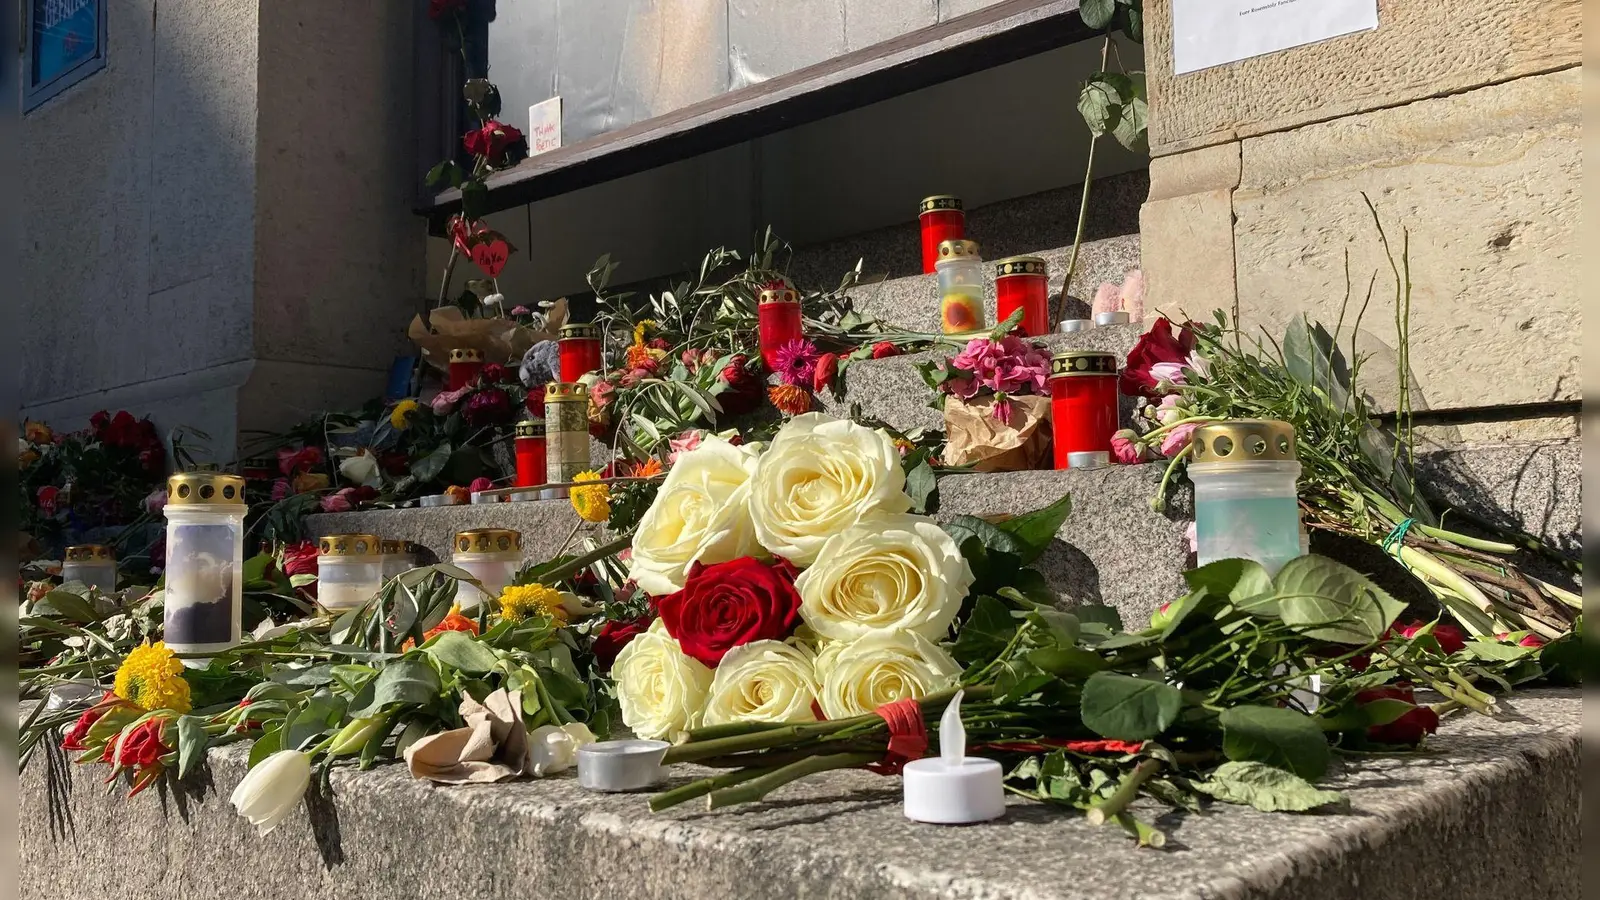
71,483
996,403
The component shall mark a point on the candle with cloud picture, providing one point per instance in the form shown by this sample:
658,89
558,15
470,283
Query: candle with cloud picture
202,603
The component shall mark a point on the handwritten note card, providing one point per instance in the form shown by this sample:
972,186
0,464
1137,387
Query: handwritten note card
544,126
1208,33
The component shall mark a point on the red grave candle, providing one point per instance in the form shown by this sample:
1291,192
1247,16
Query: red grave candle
1020,283
778,320
1083,402
580,351
530,453
465,364
942,220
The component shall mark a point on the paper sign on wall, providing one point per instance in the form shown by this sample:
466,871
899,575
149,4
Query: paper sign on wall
544,126
1208,33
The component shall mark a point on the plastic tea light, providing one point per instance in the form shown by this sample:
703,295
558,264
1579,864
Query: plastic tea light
778,322
465,364
530,453
493,556
349,570
614,766
580,350
566,434
91,564
205,563
953,788
960,287
1083,403
1020,282
398,556
941,219
1244,473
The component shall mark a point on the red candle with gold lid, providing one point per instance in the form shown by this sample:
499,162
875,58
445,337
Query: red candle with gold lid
530,453
1020,283
465,364
778,321
942,219
1083,402
580,350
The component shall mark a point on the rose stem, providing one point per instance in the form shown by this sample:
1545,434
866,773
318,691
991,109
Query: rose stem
669,799
1114,805
759,787
1147,835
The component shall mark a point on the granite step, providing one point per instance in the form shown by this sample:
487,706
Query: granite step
1493,802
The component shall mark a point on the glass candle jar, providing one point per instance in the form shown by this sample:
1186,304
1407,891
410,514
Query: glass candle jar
960,287
1246,504
205,563
1020,282
778,322
349,571
465,364
398,556
493,556
259,469
531,465
1083,403
92,565
566,433
580,350
942,220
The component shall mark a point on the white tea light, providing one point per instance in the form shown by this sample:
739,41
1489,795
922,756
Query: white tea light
1088,459
617,766
953,788
1068,326
1111,317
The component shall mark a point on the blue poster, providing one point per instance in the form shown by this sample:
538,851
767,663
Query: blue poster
66,34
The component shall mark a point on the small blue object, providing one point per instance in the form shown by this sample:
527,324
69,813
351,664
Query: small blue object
400,378
1397,537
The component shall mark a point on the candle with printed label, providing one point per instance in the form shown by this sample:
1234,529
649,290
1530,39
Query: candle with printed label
941,219
1083,403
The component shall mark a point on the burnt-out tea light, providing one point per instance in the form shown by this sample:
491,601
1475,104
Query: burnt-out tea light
617,766
204,592
953,788
93,565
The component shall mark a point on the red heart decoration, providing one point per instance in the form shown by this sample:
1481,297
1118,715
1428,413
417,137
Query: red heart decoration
491,256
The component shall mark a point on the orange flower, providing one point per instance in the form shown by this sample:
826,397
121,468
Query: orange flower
455,621
646,469
789,399
639,357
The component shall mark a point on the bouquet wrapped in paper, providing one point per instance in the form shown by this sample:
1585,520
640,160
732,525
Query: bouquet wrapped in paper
500,340
996,405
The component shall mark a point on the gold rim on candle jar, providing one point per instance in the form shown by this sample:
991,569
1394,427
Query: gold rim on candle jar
89,552
1083,362
349,545
565,392
1020,265
778,295
530,428
958,249
580,331
466,354
390,547
937,203
1244,441
488,540
198,488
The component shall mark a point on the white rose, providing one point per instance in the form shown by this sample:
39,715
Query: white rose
821,476
361,469
888,573
863,675
661,689
701,514
763,681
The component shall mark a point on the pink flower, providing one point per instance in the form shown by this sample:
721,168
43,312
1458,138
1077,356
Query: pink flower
156,501
1133,295
338,501
1125,447
796,363
1178,438
445,401
281,489
521,311
1199,364
480,484
1107,298
682,444
1167,371
963,388
1192,535
600,394
1168,412
1003,409
293,462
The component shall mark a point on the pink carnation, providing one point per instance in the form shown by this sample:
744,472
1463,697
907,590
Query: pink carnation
1168,371
445,401
1125,447
1173,442
682,444
480,484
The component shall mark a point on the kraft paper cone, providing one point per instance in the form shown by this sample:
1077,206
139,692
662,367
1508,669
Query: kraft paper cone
500,341
975,437
493,746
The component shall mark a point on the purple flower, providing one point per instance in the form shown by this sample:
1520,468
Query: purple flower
796,363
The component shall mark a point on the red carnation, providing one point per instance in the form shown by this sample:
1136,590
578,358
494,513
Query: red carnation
73,741
827,370
884,350
732,603
614,636
1450,638
292,462
1410,728
745,388
487,407
1158,345
299,559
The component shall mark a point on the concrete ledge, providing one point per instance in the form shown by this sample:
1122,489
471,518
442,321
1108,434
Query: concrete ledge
1493,803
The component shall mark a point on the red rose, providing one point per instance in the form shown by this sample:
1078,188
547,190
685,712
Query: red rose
1450,638
491,406
495,141
293,462
746,389
884,350
73,742
614,636
1158,345
827,370
1410,728
99,421
48,497
732,603
141,747
299,559
492,373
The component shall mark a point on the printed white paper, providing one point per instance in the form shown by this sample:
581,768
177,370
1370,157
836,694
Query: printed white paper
544,126
1208,33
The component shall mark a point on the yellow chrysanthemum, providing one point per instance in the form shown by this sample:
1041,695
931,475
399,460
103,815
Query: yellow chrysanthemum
644,327
152,678
592,501
520,601
399,417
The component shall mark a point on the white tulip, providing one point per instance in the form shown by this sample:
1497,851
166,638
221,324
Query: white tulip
886,573
272,789
361,469
553,748
701,514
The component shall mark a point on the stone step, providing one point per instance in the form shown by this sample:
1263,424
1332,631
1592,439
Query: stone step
1493,802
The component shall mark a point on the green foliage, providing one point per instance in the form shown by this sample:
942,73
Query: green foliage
1277,736
1126,708
1265,787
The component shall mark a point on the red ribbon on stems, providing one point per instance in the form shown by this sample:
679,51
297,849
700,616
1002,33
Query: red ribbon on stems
908,735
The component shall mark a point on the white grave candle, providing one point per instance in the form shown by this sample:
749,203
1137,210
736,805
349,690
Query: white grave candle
953,788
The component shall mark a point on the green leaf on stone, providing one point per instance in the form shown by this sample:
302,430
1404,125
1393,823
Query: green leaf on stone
407,680
191,743
922,486
1329,601
986,632
1036,530
428,468
1243,582
1276,736
1062,627
1125,708
1265,787
459,651
268,743
1099,614
1097,14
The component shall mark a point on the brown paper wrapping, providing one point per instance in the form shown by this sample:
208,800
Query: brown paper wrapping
501,341
974,437
492,747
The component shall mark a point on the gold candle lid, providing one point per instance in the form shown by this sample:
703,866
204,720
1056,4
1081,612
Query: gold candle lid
388,547
1083,362
197,488
89,552
466,354
938,202
564,392
530,428
349,545
958,249
778,295
580,330
1244,441
488,540
1020,265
